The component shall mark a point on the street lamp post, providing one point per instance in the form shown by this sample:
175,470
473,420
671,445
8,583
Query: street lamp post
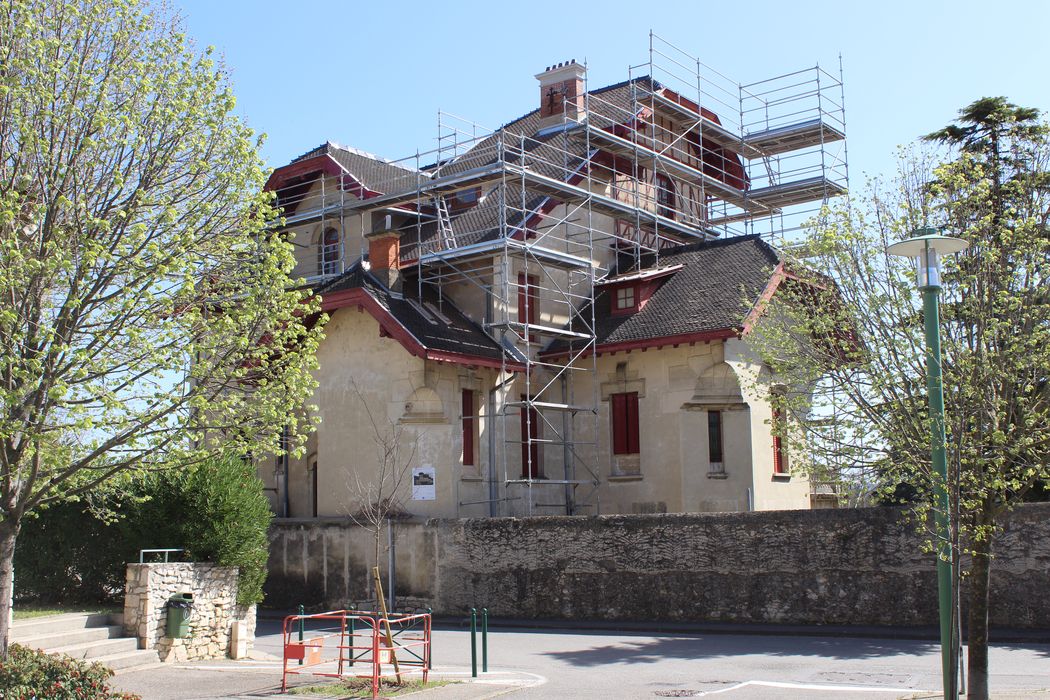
925,247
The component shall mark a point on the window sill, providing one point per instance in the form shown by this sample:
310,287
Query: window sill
781,477
471,477
717,475
620,478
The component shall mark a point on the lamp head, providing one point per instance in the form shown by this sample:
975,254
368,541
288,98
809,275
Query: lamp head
926,247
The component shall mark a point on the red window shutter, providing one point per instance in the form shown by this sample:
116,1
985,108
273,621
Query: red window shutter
632,423
619,424
778,445
468,427
530,454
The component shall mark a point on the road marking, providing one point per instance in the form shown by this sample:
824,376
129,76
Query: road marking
813,686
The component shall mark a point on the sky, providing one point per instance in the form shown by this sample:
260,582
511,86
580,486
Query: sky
374,75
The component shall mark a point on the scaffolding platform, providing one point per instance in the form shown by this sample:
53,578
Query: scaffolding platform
794,137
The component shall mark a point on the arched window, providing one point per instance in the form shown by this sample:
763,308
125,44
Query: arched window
330,253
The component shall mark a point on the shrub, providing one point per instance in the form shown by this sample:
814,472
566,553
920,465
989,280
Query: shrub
28,674
226,520
216,511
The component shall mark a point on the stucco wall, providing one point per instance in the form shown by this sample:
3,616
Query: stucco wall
806,567
676,386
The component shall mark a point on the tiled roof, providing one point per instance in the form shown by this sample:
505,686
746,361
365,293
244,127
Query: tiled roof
458,335
715,289
370,170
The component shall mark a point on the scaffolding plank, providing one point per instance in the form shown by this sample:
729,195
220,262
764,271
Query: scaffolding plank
536,329
551,406
487,249
800,192
567,192
792,137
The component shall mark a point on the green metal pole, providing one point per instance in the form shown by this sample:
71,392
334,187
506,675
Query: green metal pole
430,655
352,631
473,643
302,626
484,640
935,390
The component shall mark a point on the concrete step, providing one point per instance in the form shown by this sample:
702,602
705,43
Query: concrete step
93,650
55,640
91,637
50,624
129,660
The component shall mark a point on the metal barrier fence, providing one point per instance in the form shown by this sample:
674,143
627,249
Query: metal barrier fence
355,644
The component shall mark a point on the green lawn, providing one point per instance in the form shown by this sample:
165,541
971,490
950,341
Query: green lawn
26,612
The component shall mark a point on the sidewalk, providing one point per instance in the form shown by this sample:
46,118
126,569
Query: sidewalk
244,680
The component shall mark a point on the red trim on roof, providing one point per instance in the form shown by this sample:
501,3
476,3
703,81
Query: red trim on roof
325,164
778,276
646,343
390,327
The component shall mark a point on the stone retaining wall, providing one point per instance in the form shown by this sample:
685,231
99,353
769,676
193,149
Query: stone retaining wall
848,566
215,609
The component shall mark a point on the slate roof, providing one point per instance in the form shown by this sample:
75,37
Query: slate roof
373,172
459,335
715,289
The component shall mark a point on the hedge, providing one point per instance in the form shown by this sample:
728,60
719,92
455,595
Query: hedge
77,552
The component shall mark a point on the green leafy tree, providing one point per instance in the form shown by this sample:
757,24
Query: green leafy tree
846,336
147,317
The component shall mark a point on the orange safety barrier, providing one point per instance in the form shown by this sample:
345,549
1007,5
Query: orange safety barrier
353,644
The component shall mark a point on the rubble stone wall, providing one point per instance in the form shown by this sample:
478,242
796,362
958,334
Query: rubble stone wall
214,613
848,566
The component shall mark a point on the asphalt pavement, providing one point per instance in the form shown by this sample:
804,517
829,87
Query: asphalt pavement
526,663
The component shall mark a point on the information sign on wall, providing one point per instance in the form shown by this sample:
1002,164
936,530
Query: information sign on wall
423,483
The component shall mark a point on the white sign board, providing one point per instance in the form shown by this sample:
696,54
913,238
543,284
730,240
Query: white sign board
423,483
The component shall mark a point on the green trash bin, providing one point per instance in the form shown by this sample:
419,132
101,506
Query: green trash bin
180,606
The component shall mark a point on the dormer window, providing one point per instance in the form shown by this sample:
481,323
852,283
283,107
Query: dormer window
466,198
329,253
626,298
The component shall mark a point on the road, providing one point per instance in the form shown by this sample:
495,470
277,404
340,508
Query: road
526,664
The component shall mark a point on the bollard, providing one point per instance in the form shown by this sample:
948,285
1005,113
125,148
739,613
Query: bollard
430,651
302,626
473,643
484,640
351,640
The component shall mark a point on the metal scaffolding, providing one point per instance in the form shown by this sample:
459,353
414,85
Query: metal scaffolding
534,215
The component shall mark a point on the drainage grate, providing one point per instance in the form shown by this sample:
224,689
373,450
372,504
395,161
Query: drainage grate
678,693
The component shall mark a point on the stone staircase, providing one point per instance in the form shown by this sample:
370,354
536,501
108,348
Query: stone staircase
92,637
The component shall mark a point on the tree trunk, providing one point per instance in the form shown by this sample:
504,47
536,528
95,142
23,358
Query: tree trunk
8,535
977,641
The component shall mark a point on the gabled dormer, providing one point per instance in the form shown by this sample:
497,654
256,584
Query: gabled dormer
628,293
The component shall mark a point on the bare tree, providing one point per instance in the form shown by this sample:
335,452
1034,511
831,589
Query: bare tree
376,498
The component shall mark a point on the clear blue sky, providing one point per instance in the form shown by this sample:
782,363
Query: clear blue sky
374,74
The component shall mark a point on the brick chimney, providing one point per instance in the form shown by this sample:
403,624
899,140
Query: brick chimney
384,253
561,92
